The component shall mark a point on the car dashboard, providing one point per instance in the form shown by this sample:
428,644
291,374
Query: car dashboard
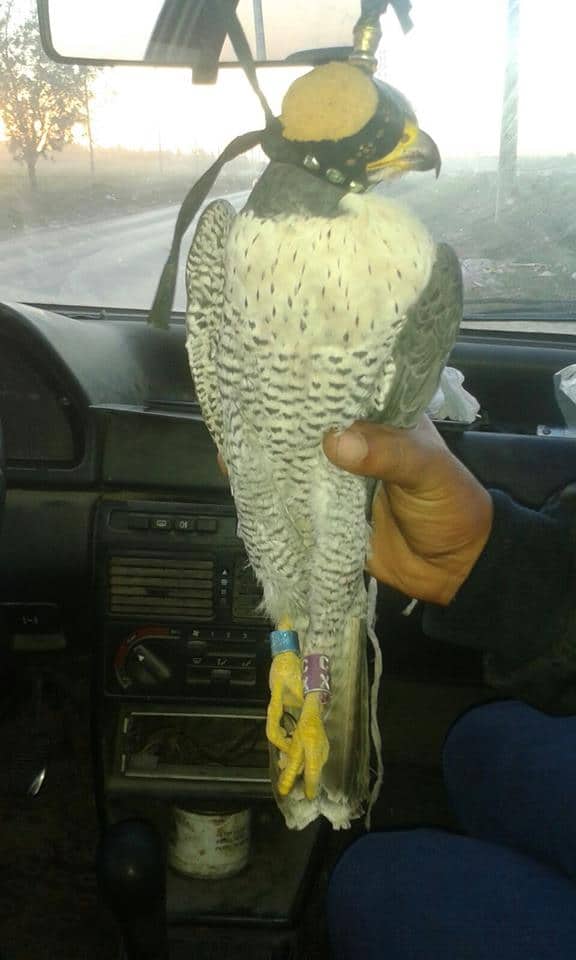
99,407
91,407
119,535
119,542
120,528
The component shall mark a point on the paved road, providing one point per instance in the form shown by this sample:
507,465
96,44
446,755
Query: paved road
115,262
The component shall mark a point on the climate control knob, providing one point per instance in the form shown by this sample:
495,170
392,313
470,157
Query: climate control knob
141,660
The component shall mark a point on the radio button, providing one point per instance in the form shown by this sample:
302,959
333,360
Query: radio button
221,676
196,646
185,524
221,661
161,523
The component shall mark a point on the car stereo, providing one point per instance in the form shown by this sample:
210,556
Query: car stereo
183,653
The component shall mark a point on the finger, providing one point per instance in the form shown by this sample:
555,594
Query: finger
221,465
390,558
391,455
384,532
293,768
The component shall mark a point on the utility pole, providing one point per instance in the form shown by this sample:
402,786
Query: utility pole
89,126
259,30
507,161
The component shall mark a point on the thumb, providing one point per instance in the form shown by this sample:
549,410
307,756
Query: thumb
388,454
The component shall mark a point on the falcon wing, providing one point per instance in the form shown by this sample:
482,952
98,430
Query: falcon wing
205,278
425,342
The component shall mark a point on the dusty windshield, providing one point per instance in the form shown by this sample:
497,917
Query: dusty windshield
95,162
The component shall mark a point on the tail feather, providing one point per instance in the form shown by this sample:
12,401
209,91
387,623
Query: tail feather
345,787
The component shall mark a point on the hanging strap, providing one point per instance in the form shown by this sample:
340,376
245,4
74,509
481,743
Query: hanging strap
373,9
402,9
245,59
162,306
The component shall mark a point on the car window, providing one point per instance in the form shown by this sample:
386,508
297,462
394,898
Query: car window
95,162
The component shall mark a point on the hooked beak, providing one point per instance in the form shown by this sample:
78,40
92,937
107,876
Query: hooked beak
415,150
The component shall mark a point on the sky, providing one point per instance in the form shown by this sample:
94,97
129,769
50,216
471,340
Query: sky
450,66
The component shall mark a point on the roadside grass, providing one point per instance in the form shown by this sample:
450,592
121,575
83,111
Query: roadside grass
124,182
529,251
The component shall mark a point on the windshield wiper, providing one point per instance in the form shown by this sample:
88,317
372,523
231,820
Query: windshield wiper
482,308
511,308
79,312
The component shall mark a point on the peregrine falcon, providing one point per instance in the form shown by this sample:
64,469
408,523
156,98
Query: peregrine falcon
319,304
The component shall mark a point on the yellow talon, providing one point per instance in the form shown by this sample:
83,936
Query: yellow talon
307,750
286,692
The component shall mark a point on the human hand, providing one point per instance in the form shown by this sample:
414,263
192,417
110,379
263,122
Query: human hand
431,517
221,464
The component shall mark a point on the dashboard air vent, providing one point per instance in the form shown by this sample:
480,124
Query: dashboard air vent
171,587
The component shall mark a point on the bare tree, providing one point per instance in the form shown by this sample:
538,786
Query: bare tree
40,101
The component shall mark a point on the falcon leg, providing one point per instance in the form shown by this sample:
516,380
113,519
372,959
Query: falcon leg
337,593
285,679
337,590
306,749
279,560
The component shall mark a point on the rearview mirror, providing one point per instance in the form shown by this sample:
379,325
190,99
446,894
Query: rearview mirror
192,33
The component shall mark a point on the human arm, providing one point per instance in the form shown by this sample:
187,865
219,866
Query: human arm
430,517
518,605
496,576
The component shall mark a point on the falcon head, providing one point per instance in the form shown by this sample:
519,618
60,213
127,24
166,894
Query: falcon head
353,130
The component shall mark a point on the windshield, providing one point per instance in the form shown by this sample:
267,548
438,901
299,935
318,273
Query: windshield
95,162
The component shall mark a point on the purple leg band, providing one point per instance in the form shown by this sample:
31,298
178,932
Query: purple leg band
316,675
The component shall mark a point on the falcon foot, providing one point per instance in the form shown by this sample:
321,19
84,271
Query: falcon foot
304,751
307,749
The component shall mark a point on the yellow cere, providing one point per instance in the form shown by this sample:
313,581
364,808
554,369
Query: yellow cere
395,159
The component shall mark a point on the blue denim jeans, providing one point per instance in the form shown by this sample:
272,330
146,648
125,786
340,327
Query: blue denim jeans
503,890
